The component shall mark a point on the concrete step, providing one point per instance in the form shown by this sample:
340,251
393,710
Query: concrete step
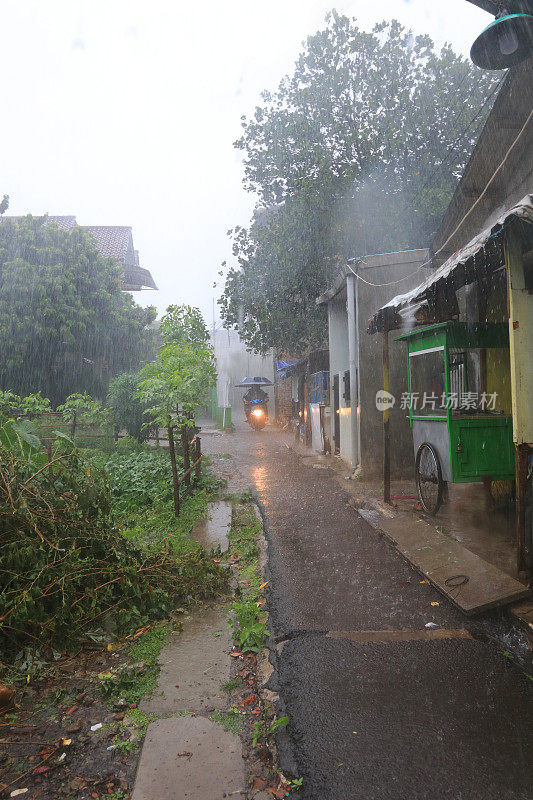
189,758
468,581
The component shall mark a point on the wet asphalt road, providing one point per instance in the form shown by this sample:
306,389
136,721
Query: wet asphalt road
419,719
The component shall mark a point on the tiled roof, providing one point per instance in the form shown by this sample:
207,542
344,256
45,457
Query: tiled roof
114,241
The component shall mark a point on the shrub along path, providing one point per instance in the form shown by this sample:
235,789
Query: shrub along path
77,656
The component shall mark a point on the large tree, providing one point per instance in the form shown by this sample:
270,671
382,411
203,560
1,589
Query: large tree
65,324
358,151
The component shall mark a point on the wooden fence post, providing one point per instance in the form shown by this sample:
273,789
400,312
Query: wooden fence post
186,457
198,455
175,479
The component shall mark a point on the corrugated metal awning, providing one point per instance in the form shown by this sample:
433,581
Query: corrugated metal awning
459,270
134,279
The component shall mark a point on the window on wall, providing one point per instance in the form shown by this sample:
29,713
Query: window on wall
346,393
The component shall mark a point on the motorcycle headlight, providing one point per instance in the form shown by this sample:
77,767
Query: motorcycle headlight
257,412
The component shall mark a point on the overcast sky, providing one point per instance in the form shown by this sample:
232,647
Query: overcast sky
123,112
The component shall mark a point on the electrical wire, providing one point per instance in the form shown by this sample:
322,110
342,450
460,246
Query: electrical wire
390,283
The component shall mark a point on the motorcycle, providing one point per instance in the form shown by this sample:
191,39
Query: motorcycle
256,413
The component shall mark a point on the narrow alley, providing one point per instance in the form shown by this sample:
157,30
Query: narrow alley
391,692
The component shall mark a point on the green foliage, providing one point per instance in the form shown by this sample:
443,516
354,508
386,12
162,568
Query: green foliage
65,324
296,783
20,438
344,157
263,730
128,410
183,324
64,568
86,410
139,480
12,405
249,629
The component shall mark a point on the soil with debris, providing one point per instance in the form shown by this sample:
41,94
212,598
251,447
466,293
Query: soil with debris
55,739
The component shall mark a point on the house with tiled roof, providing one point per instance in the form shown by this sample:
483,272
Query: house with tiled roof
116,242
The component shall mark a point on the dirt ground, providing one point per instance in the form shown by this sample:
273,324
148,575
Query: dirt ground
47,745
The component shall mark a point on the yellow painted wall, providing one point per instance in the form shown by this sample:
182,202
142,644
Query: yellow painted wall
520,340
498,361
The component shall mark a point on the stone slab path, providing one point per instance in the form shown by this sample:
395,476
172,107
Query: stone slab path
194,664
189,758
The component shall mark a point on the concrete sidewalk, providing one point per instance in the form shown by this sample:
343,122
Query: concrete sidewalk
186,755
378,708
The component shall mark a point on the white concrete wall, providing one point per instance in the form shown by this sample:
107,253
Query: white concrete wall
339,360
339,363
235,362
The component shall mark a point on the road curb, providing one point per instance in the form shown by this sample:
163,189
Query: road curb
268,659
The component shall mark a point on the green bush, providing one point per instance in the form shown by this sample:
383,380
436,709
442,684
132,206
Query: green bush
33,404
138,480
128,410
84,409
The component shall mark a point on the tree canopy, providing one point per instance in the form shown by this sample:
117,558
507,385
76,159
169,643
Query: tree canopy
183,324
358,151
65,324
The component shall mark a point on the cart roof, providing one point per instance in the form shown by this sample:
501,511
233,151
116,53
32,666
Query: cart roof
462,334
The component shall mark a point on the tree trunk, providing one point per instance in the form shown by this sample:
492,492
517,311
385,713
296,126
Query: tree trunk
172,451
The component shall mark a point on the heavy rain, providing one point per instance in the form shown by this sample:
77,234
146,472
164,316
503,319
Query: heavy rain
266,429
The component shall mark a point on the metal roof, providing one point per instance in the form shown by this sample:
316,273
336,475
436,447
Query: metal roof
402,308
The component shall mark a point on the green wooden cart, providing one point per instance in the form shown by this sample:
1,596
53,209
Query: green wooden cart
462,425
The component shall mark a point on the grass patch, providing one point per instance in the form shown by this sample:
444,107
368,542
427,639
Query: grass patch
244,537
132,684
248,620
231,720
232,685
140,719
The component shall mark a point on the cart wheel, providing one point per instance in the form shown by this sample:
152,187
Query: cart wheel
429,478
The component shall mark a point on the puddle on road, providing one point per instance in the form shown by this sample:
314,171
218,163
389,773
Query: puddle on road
213,532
